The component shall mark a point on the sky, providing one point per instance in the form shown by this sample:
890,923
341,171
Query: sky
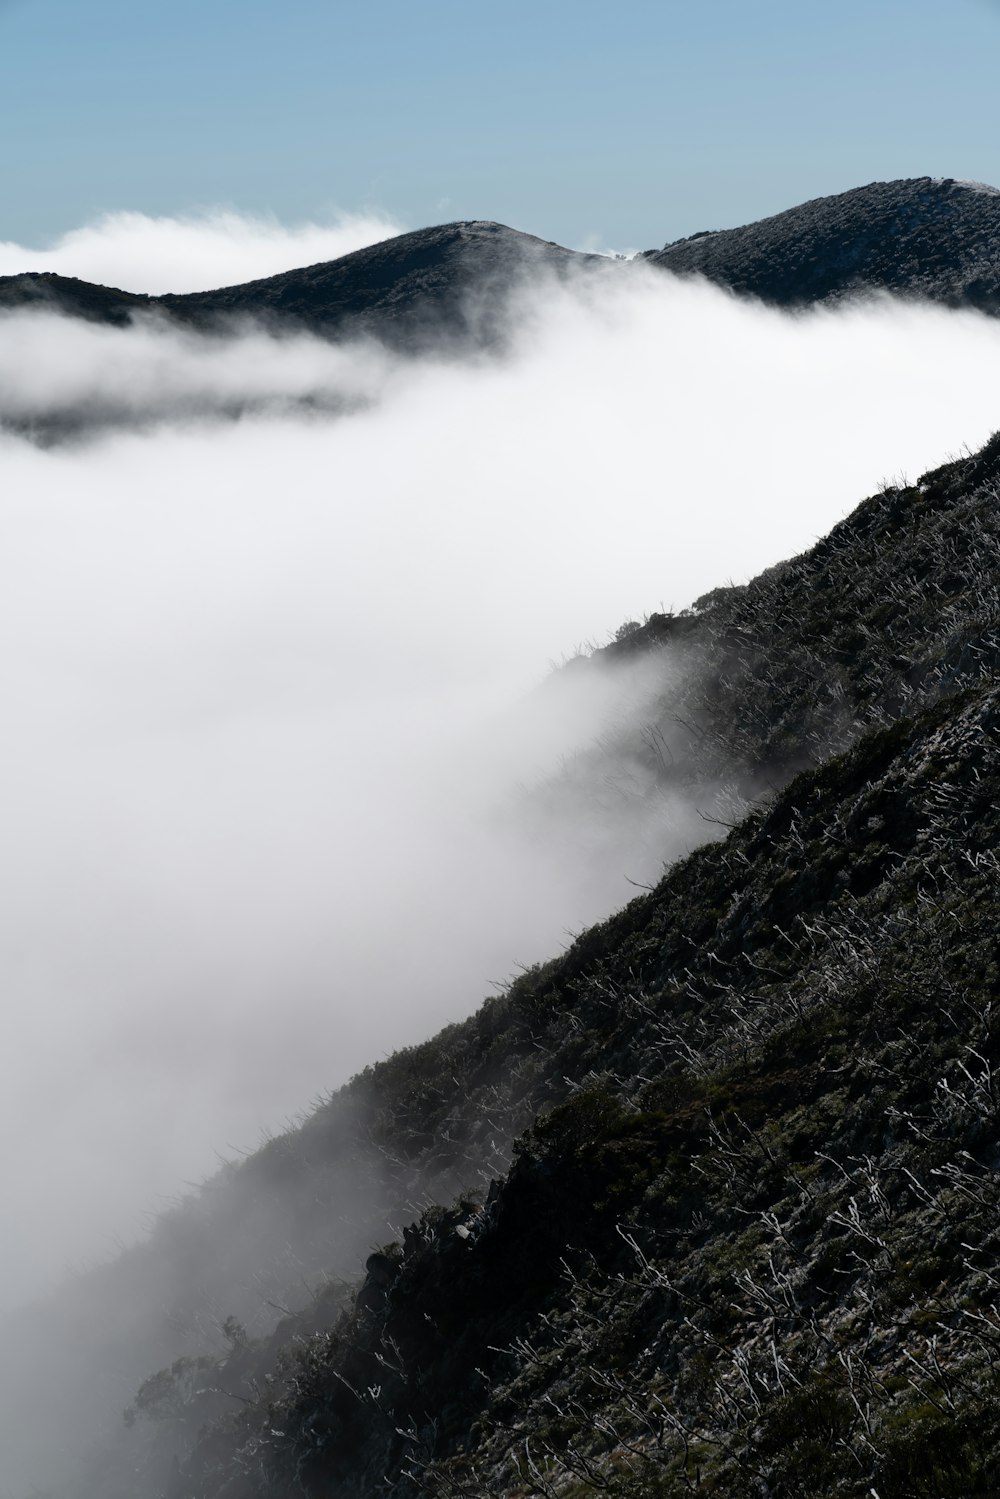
595,125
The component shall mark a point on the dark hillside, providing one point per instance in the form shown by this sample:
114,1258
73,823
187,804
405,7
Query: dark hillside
450,281
895,608
446,283
884,637
922,236
46,291
755,1248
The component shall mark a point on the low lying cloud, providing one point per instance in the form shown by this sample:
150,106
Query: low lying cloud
262,742
195,252
61,376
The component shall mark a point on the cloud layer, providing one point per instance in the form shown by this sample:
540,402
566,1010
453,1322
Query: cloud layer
138,252
261,677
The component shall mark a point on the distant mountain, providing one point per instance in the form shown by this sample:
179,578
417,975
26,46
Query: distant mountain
923,236
450,281
453,279
926,237
45,291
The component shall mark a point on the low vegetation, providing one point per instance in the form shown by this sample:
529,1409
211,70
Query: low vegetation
708,1205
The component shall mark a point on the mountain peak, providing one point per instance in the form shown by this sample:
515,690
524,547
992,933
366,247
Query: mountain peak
407,289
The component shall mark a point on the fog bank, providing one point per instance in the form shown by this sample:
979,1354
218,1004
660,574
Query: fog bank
261,675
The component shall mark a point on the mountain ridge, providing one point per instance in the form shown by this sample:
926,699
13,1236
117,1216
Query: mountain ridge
915,237
924,236
410,289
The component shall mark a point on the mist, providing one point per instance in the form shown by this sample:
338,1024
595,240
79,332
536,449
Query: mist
263,676
195,252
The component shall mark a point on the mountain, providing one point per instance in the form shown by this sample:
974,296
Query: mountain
753,1248
46,291
925,236
714,1193
407,290
410,290
929,237
705,1205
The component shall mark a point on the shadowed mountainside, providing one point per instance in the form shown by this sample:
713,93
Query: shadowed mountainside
452,280
44,291
923,236
747,1099
407,290
753,1249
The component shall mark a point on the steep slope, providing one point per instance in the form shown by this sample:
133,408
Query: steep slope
895,608
755,1250
895,614
921,236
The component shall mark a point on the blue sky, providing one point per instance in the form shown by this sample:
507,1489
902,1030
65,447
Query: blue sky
584,122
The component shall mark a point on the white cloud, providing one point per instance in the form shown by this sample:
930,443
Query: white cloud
249,787
142,253
595,243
